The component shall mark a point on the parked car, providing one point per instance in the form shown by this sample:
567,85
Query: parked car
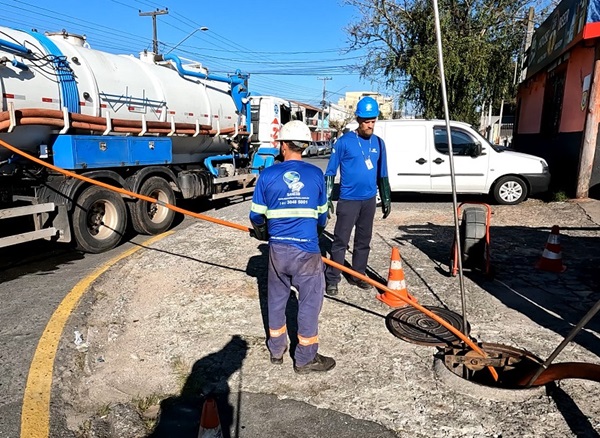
323,147
311,150
418,161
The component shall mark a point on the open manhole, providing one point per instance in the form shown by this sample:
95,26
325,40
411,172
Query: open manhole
412,325
468,371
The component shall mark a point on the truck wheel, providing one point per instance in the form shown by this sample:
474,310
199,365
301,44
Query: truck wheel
148,217
99,219
510,190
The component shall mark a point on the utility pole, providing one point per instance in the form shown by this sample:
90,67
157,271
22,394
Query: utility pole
528,39
590,133
153,14
323,104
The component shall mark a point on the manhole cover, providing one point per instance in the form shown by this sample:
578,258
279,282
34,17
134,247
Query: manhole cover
413,326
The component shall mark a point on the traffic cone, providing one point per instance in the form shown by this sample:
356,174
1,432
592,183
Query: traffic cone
396,283
551,259
210,427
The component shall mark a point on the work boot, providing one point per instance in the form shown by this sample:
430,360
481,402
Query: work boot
277,360
359,283
318,364
331,289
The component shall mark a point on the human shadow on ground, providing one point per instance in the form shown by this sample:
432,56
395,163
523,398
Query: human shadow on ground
180,416
258,267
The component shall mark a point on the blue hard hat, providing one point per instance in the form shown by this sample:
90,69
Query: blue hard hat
367,108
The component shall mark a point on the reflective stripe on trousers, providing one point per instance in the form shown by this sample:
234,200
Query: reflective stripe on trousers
289,266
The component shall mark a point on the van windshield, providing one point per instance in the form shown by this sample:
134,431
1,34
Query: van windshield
496,147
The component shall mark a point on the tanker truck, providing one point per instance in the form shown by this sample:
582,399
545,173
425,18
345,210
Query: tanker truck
160,126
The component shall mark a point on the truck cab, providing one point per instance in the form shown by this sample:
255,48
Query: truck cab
269,114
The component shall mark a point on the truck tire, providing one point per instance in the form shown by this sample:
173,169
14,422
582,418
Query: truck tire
510,190
151,218
473,237
99,219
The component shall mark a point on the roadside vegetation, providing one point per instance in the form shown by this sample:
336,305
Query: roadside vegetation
483,44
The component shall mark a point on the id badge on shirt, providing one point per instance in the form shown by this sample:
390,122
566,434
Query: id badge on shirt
369,163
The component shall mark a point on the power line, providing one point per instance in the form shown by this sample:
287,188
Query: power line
270,71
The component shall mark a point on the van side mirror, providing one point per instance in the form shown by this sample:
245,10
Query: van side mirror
476,150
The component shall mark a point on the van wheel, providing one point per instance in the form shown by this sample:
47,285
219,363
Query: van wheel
148,217
510,190
99,219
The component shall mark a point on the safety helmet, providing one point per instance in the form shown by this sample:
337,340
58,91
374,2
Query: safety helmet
367,108
295,131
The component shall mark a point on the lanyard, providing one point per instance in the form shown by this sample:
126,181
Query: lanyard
361,148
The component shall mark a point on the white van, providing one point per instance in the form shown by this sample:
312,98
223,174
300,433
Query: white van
418,161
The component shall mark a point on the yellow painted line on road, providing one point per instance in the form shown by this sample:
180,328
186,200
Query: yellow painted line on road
35,414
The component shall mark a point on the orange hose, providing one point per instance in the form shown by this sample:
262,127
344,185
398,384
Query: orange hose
380,286
120,190
565,370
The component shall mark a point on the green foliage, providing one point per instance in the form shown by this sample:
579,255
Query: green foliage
560,196
480,38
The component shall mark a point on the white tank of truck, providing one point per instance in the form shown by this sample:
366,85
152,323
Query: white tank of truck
45,76
157,125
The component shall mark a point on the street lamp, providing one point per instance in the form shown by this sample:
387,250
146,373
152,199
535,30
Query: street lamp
203,29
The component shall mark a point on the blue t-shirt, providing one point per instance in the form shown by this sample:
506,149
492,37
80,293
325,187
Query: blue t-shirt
362,162
292,197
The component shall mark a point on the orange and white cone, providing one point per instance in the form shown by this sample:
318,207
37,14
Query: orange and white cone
397,283
551,259
210,426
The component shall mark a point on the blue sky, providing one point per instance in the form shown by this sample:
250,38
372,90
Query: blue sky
288,47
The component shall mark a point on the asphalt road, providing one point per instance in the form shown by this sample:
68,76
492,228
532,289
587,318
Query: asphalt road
34,278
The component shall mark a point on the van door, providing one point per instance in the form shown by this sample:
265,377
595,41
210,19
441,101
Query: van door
471,172
407,156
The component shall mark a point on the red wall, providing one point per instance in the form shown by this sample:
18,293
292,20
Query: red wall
532,99
581,64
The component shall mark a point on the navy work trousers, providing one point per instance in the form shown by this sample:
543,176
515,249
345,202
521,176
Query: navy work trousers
358,215
290,266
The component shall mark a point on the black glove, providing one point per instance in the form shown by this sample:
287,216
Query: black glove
329,182
386,196
320,230
259,232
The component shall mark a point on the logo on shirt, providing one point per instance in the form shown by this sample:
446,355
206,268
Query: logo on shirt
373,150
292,179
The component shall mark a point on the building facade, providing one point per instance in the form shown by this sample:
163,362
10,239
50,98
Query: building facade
559,99
348,103
317,120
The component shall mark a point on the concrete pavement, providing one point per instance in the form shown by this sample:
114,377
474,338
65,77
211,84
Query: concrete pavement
591,208
187,317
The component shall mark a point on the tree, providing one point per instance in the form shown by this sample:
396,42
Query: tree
481,40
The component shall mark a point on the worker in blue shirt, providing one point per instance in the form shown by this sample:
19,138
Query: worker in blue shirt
360,156
289,209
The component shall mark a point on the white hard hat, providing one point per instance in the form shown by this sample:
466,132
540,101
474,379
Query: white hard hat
295,131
